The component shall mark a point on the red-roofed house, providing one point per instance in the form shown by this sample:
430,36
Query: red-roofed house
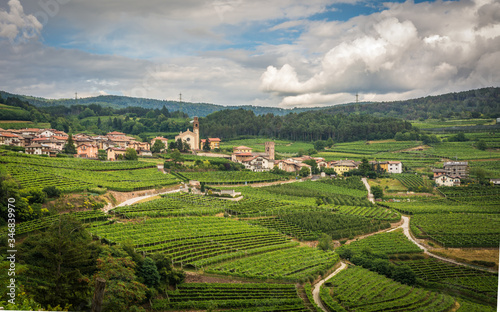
87,150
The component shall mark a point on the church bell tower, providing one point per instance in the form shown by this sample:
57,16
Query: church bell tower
196,130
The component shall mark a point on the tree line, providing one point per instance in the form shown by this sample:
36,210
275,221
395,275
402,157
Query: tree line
306,126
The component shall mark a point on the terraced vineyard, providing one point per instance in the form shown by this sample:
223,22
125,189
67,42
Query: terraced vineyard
228,177
357,289
77,180
411,181
385,244
197,241
460,229
336,225
175,204
445,206
459,277
72,163
285,228
237,297
377,212
293,264
45,222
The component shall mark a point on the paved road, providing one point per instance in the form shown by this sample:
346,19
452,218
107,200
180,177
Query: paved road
320,283
370,195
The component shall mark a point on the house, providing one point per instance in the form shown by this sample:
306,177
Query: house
144,153
115,152
241,157
342,166
7,138
439,172
495,181
87,150
242,149
457,168
46,133
164,140
446,180
214,143
192,138
138,146
34,149
394,167
290,165
258,163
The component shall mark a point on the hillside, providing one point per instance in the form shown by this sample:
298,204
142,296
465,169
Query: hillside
466,104
192,109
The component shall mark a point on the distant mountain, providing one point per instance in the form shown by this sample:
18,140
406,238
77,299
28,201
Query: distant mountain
192,109
466,104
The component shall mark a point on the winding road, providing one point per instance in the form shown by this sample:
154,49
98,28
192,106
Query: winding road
370,195
320,283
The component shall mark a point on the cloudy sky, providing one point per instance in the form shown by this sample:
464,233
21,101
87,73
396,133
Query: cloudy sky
286,53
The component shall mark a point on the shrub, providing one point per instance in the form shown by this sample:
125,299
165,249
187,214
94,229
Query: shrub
52,191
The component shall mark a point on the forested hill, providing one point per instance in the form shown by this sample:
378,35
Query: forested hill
306,126
464,104
192,109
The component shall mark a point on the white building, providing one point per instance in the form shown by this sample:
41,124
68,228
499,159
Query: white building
394,167
446,180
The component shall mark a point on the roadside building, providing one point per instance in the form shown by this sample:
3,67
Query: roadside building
446,180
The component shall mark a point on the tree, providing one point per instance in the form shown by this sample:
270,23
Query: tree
377,191
60,261
206,145
481,145
313,164
176,156
325,242
158,146
123,290
364,167
131,154
304,172
320,145
69,148
149,272
52,191
329,142
404,275
102,154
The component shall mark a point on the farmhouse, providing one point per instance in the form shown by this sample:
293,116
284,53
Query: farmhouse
342,166
457,168
87,150
446,180
115,152
255,161
214,143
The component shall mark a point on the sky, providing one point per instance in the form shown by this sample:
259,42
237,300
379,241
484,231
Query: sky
281,53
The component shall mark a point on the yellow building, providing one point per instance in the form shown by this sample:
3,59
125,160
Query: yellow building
342,166
214,143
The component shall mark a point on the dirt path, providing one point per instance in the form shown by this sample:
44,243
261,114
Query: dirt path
406,229
135,200
370,195
320,283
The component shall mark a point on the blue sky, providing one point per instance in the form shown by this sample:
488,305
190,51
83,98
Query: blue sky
285,53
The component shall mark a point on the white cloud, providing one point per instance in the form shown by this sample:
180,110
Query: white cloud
17,25
409,49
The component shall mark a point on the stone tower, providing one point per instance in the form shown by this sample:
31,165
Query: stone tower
196,131
269,149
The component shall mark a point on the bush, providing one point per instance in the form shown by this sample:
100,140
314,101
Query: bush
52,191
97,190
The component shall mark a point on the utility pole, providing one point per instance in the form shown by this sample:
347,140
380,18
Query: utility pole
357,97
180,97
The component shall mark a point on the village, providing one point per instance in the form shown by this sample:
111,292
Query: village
114,145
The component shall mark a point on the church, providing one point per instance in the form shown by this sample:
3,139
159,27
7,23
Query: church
191,137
